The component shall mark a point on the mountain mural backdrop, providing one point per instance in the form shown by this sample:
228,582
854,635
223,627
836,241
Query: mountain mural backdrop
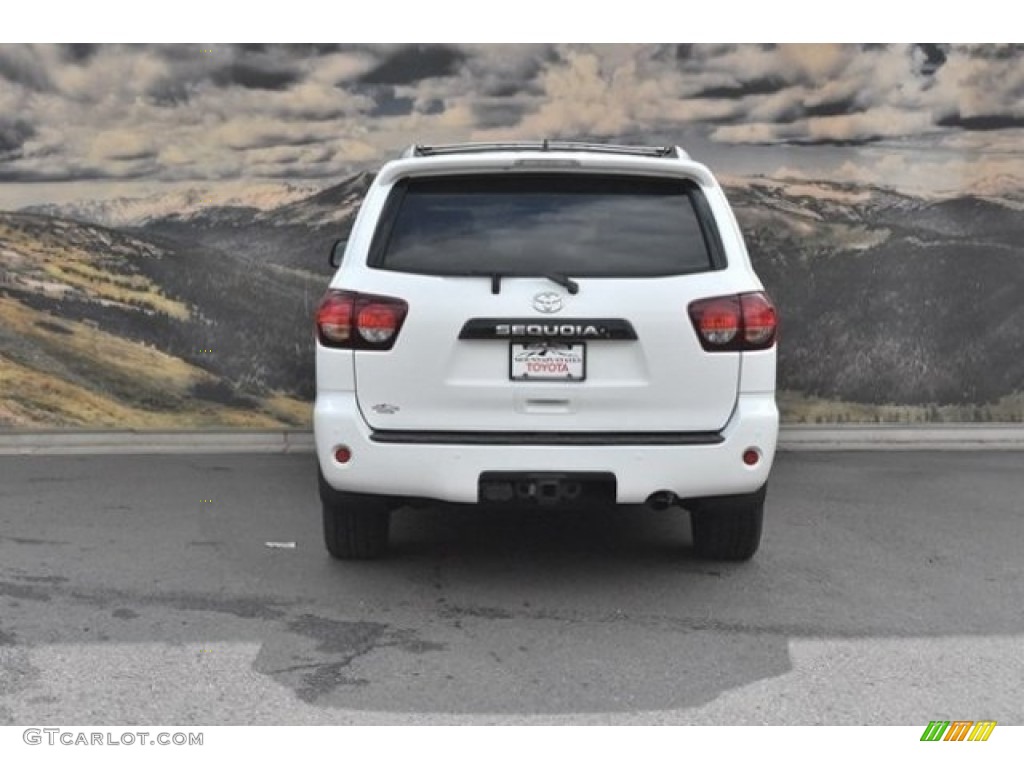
162,253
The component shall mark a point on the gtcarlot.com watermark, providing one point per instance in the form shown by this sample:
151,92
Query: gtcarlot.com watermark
69,738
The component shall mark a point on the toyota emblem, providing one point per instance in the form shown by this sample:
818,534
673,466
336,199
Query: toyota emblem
548,302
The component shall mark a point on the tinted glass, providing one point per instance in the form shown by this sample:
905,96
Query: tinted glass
578,225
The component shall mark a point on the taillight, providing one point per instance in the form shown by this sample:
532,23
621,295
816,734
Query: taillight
350,320
334,318
759,320
718,320
377,323
735,323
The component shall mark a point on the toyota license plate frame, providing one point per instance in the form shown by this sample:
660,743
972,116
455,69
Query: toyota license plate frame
547,361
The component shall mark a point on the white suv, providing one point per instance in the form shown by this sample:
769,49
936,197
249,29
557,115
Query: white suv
545,323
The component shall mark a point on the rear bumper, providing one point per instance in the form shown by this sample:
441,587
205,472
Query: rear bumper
450,471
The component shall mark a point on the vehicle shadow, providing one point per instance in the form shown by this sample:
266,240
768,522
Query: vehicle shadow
550,611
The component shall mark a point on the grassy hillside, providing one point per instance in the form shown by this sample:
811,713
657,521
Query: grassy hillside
799,408
890,301
92,336
893,308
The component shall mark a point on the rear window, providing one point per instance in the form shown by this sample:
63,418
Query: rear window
530,224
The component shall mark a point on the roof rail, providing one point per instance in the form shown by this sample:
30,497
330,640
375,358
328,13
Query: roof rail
432,150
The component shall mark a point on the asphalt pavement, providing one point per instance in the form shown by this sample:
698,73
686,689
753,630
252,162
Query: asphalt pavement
142,590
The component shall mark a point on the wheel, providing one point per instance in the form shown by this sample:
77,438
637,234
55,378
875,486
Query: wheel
355,525
728,527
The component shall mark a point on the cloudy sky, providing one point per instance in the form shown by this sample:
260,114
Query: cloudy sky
91,121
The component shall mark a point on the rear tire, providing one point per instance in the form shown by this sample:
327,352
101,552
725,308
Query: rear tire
728,527
356,525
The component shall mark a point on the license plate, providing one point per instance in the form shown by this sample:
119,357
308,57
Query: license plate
548,361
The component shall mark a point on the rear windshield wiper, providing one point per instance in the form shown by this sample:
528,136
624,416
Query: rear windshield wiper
556,277
563,280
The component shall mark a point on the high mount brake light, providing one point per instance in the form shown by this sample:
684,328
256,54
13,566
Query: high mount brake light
350,320
740,323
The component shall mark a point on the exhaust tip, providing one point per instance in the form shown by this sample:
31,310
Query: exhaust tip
661,500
